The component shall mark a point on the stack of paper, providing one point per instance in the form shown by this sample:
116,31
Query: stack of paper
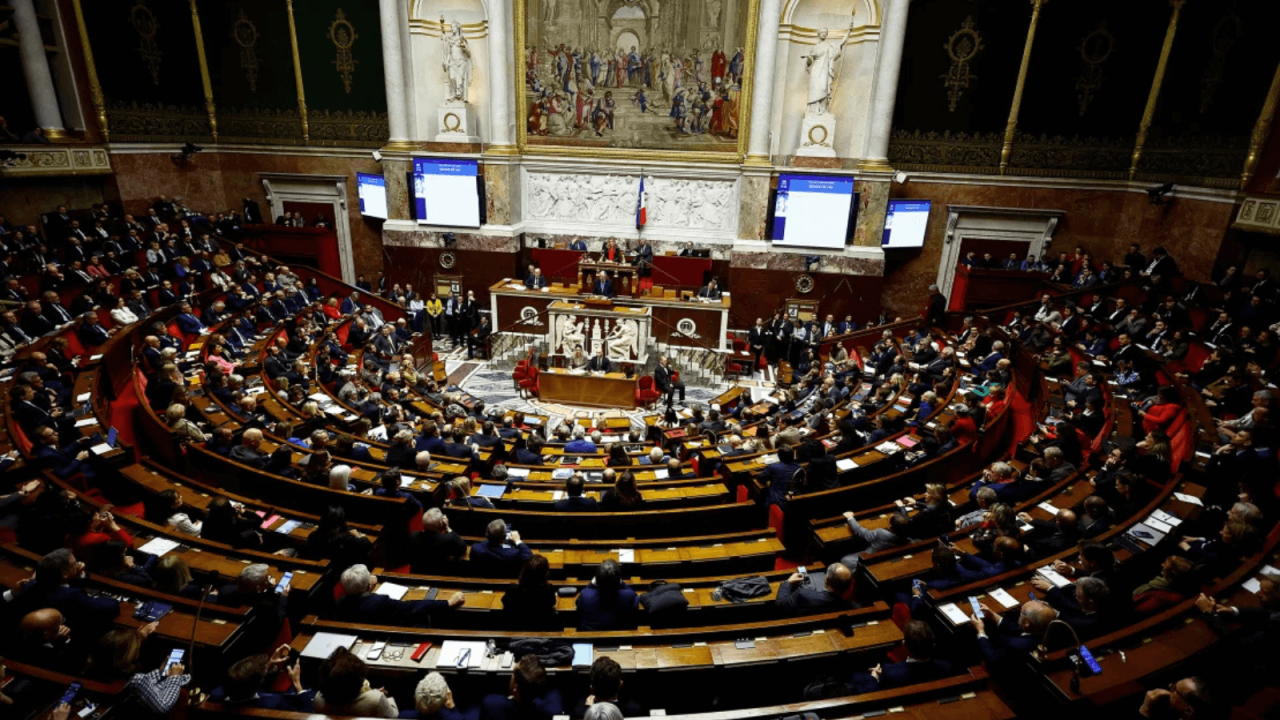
159,546
1053,576
451,650
952,612
1004,598
846,464
626,555
392,590
1192,499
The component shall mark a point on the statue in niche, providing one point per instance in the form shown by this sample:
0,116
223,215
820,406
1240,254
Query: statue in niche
457,61
713,12
820,63
622,341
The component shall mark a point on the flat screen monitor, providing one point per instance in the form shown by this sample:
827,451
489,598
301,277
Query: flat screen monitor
446,192
813,211
905,223
372,191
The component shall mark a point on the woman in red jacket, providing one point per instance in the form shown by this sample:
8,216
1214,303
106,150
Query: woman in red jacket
963,428
88,531
1164,413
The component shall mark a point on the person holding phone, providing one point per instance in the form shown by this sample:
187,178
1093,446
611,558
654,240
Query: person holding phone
243,687
117,655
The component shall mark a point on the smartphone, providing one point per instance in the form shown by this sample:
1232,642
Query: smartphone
175,658
69,696
376,651
977,608
1031,596
1087,657
284,582
508,659
915,583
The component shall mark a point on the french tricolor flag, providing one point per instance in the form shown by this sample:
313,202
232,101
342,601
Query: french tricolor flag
641,212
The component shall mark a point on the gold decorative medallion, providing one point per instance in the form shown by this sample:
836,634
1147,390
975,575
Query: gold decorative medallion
452,123
1094,51
963,46
818,138
144,23
343,34
246,36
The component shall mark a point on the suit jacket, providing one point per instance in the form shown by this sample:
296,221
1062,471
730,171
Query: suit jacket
798,600
501,558
596,612
662,378
92,335
599,364
536,283
707,292
576,504
602,287
1005,644
383,610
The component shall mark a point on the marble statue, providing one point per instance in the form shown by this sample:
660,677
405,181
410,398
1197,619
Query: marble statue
820,63
573,334
457,62
622,341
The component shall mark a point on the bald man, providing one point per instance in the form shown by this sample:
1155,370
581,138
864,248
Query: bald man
47,642
801,595
247,451
1012,639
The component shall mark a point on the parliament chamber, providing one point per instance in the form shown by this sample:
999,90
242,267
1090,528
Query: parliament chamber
603,359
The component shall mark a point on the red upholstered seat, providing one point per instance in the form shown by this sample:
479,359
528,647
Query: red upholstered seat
137,510
646,393
530,383
777,522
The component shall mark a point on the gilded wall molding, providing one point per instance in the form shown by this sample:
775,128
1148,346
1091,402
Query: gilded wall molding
1101,158
245,33
1149,114
260,125
96,95
297,72
975,152
204,73
157,123
962,47
1011,127
56,160
1259,214
1095,49
343,36
145,25
351,127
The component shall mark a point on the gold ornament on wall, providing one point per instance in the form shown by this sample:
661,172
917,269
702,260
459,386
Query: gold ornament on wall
343,35
144,23
1095,48
1226,32
963,46
246,36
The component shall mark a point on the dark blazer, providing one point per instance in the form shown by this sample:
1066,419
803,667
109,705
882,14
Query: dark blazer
383,610
798,600
576,504
598,612
501,557
501,707
599,364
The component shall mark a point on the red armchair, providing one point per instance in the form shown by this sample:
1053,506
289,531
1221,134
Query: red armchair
530,383
646,393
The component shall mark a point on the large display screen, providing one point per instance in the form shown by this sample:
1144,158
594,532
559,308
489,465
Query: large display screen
813,211
446,192
905,223
372,190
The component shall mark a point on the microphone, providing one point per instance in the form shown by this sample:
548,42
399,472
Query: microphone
1043,649
214,577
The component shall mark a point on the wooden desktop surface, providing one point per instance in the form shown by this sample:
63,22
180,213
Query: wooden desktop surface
608,390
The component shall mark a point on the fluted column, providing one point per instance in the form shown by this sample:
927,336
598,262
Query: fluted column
393,71
501,122
762,82
35,66
893,34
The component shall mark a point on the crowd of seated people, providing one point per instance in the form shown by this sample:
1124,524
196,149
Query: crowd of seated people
63,625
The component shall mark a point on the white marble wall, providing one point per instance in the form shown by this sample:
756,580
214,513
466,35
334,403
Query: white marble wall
427,53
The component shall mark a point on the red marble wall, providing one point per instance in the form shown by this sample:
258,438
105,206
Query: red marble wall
1103,222
218,181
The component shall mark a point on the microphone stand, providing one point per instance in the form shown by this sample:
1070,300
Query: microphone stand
195,626
1043,649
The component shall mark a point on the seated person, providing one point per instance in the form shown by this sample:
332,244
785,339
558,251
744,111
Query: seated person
607,603
530,696
360,604
796,600
433,700
606,684
574,501
499,553
245,681
919,666
343,689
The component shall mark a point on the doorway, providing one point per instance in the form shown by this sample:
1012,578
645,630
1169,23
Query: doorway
997,230
315,195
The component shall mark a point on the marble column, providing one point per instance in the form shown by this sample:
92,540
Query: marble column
393,71
35,66
501,120
893,33
412,129
762,83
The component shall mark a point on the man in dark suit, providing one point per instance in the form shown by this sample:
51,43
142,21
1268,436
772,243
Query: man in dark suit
574,500
794,598
663,379
602,285
1161,265
497,554
919,666
536,280
361,605
478,340
578,244
530,696
52,309
252,213
936,314
1013,638
91,332
779,476
607,603
757,338
599,363
1052,537
710,291
53,588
